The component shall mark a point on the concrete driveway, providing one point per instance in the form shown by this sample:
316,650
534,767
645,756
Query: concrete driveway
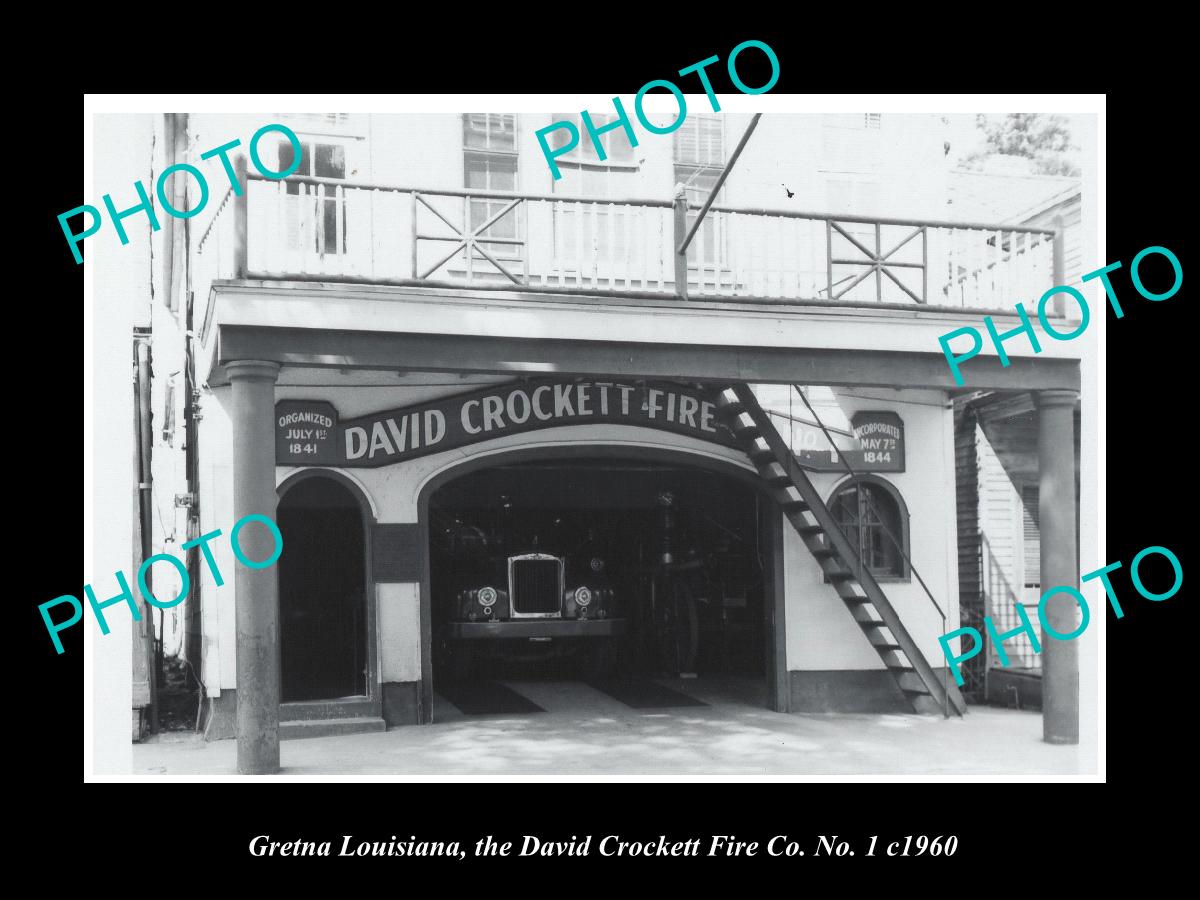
582,731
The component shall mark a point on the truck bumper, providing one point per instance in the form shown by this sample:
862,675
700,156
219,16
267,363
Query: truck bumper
536,628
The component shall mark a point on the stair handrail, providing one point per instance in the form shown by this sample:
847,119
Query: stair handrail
812,502
899,546
850,469
993,568
999,570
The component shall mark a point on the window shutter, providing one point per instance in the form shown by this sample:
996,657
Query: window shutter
686,141
700,141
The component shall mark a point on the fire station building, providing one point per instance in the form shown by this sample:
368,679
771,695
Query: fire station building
741,464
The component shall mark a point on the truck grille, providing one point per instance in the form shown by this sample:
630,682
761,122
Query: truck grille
536,586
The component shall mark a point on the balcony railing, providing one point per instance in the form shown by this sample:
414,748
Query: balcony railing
327,229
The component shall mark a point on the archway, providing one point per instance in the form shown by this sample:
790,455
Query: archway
724,562
324,616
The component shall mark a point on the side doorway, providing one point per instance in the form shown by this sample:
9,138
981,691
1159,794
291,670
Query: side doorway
328,665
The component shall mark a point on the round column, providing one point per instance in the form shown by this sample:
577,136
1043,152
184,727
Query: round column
1056,514
257,590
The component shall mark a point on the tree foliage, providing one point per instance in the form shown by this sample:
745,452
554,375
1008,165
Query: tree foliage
1043,138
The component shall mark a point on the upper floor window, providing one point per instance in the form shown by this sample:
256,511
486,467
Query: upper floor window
699,159
490,131
617,148
320,217
700,141
490,164
872,516
587,234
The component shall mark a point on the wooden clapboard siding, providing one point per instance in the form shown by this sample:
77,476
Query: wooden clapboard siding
1073,245
1000,513
970,588
1071,212
1033,548
967,506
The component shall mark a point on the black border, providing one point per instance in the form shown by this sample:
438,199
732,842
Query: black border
1006,831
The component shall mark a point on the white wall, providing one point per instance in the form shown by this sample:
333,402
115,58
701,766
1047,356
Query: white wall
1000,517
393,491
119,276
821,634
130,290
216,512
399,631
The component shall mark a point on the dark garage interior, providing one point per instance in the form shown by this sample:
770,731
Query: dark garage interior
677,548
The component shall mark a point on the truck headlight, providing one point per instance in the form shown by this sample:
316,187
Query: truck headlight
583,596
487,596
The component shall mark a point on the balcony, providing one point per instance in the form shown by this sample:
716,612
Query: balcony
316,229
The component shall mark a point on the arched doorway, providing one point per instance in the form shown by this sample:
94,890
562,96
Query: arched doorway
323,611
725,557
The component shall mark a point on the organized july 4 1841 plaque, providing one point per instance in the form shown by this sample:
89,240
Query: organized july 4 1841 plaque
306,433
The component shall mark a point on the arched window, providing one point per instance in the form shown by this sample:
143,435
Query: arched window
874,519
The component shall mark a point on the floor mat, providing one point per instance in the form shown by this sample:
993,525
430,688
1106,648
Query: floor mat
487,698
641,693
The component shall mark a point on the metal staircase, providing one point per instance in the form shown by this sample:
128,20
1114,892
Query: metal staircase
814,522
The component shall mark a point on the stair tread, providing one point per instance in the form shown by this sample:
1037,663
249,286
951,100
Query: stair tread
846,583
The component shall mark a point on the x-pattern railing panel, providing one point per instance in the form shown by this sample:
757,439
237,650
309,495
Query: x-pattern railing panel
466,238
877,263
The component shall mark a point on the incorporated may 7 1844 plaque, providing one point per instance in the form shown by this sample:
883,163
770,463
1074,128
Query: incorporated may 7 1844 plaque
878,446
